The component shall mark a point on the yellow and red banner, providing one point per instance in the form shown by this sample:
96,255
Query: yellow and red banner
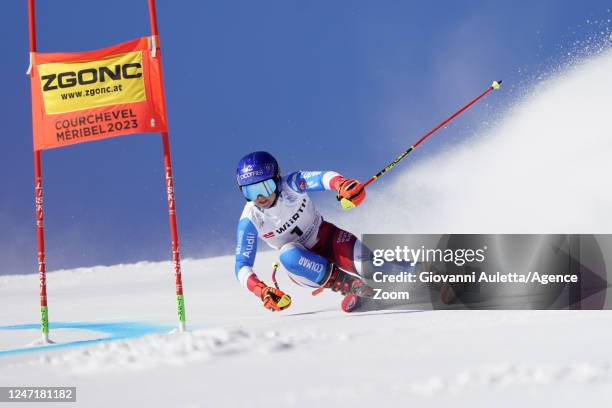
84,96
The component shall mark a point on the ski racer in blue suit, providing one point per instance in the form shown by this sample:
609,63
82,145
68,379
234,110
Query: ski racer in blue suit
315,253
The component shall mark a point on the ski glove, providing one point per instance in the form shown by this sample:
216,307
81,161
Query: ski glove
350,193
273,299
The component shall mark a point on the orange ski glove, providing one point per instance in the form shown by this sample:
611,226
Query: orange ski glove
350,193
273,299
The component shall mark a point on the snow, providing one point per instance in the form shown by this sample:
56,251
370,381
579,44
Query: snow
113,325
238,354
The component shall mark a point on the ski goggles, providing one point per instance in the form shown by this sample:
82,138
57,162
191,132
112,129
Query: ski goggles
263,188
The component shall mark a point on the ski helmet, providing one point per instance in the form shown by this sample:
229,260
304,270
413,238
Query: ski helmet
257,167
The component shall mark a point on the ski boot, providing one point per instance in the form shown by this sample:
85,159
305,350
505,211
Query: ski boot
348,284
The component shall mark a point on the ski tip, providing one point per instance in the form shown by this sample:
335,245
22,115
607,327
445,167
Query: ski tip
496,84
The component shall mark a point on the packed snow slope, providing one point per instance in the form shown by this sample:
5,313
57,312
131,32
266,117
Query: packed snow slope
238,354
543,168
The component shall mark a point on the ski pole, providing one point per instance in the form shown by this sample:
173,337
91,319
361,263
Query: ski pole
275,266
285,300
347,205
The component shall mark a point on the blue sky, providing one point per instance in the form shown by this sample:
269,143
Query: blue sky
342,85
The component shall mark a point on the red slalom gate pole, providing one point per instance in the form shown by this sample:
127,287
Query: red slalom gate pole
176,259
38,194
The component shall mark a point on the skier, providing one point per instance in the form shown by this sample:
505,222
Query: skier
315,253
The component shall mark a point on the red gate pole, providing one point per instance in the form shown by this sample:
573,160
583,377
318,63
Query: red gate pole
171,201
38,193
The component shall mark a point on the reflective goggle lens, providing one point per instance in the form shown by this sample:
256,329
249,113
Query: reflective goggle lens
264,188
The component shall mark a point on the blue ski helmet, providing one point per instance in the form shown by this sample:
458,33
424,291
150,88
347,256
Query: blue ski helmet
256,167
